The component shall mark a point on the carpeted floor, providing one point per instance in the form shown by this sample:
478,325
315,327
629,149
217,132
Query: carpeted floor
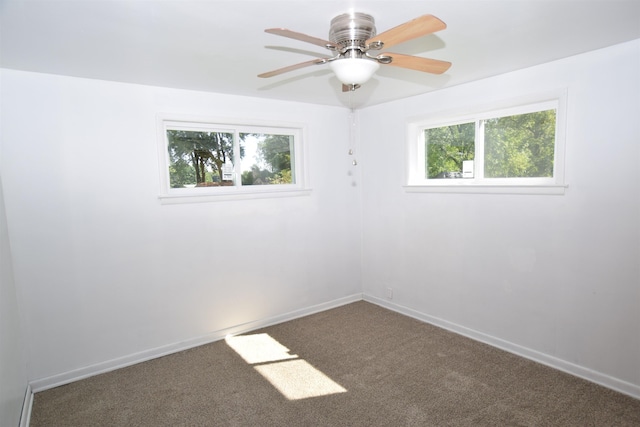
382,368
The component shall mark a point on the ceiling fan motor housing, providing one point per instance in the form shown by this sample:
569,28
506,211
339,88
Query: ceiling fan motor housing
351,30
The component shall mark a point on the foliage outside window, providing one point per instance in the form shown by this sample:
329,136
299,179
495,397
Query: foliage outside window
209,158
518,146
199,158
447,148
270,159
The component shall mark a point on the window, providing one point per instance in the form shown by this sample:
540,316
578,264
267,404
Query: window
216,160
517,149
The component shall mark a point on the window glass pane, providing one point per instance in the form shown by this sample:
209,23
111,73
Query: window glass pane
200,158
446,149
266,159
520,146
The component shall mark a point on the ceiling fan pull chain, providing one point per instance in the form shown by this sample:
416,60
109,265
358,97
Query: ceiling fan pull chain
352,130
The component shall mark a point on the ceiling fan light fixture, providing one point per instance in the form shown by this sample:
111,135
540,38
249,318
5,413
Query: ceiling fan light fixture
354,71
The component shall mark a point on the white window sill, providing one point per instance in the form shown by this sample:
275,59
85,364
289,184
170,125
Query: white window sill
170,199
487,189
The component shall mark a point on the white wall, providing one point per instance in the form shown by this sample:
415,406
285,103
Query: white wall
13,370
556,278
108,274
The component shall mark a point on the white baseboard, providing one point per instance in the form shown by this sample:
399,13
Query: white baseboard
545,359
110,365
121,362
27,404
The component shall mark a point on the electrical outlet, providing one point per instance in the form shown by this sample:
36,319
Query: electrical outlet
390,293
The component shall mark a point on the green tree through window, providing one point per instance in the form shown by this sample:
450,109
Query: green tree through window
447,147
199,157
517,146
520,146
271,163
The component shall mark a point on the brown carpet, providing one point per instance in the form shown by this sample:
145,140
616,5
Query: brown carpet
397,371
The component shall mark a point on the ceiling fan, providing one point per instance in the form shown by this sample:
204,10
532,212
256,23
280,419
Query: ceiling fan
352,37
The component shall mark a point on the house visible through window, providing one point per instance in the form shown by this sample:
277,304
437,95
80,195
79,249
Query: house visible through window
200,158
512,147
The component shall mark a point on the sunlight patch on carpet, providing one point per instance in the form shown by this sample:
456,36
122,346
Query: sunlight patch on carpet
259,348
295,378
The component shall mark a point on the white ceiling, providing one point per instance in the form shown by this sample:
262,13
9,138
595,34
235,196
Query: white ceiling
221,46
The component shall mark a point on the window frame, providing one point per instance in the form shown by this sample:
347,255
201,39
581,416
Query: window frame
416,181
170,195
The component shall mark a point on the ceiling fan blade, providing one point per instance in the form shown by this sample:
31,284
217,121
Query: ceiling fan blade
427,65
421,26
302,37
292,67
